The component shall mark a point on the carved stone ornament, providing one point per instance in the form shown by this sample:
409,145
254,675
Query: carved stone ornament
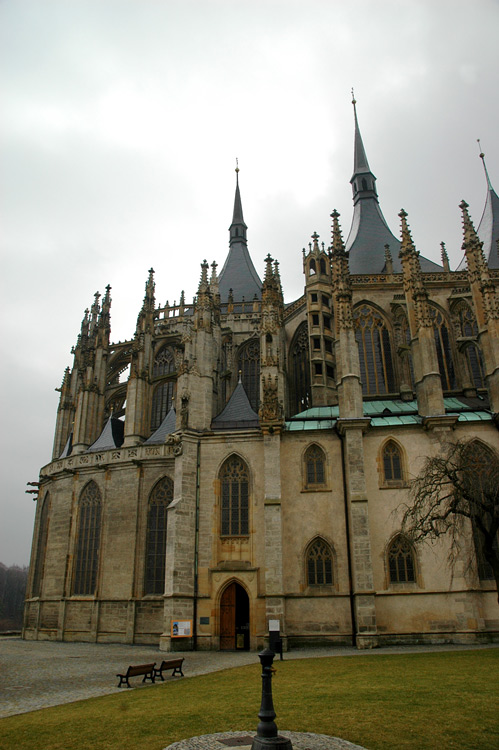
270,410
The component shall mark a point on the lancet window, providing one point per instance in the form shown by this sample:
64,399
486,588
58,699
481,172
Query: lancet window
401,564
444,350
315,467
234,490
375,353
161,402
159,500
299,371
392,463
249,365
480,479
87,541
319,563
41,547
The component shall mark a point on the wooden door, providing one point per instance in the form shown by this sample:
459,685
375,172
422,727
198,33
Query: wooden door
228,619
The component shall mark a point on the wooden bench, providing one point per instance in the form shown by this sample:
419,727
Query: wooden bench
146,669
174,664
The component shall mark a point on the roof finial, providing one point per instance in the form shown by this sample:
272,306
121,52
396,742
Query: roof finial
354,101
237,165
482,157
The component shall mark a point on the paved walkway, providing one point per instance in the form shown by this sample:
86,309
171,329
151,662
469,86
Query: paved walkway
38,674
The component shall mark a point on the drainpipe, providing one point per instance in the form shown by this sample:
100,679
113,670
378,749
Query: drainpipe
349,553
196,551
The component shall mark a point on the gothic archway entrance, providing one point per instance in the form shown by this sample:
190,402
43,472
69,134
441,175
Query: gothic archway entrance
234,619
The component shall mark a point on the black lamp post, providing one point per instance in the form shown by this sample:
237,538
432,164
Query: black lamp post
266,733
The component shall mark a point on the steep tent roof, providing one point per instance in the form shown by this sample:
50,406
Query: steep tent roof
110,437
238,414
369,232
238,272
488,229
166,428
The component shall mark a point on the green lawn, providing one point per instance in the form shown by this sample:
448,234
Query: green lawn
405,702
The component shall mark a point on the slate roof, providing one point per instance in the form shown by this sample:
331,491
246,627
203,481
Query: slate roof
238,272
166,428
488,229
369,232
238,413
111,436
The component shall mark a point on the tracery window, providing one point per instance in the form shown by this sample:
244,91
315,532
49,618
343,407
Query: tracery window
234,488
87,541
480,479
159,500
164,362
249,365
444,350
403,340
319,563
392,464
161,402
401,565
475,363
375,353
41,547
299,371
315,467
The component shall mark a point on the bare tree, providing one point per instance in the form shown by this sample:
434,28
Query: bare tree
461,483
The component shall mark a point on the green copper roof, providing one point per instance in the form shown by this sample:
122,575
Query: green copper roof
385,413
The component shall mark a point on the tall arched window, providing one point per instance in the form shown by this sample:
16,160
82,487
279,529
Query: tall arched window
401,564
444,350
161,402
234,490
299,371
319,563
375,353
403,341
475,363
159,500
480,479
41,547
87,541
392,464
315,467
249,365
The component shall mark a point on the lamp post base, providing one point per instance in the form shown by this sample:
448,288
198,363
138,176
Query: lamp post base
266,743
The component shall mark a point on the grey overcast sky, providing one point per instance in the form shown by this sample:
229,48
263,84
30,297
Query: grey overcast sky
121,124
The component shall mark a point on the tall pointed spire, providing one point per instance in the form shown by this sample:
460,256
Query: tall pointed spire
360,164
238,272
369,232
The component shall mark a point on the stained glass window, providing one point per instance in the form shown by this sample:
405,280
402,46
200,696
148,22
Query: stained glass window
444,350
234,486
159,500
161,402
87,541
249,365
401,561
319,563
315,466
164,362
375,354
392,463
41,547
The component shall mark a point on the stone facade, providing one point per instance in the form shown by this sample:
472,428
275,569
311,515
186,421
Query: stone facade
273,490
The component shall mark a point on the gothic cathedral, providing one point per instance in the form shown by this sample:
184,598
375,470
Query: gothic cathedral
240,460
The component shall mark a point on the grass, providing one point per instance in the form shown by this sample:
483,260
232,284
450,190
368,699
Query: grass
442,700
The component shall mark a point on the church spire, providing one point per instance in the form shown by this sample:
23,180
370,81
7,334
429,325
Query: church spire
238,228
369,232
238,272
360,163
